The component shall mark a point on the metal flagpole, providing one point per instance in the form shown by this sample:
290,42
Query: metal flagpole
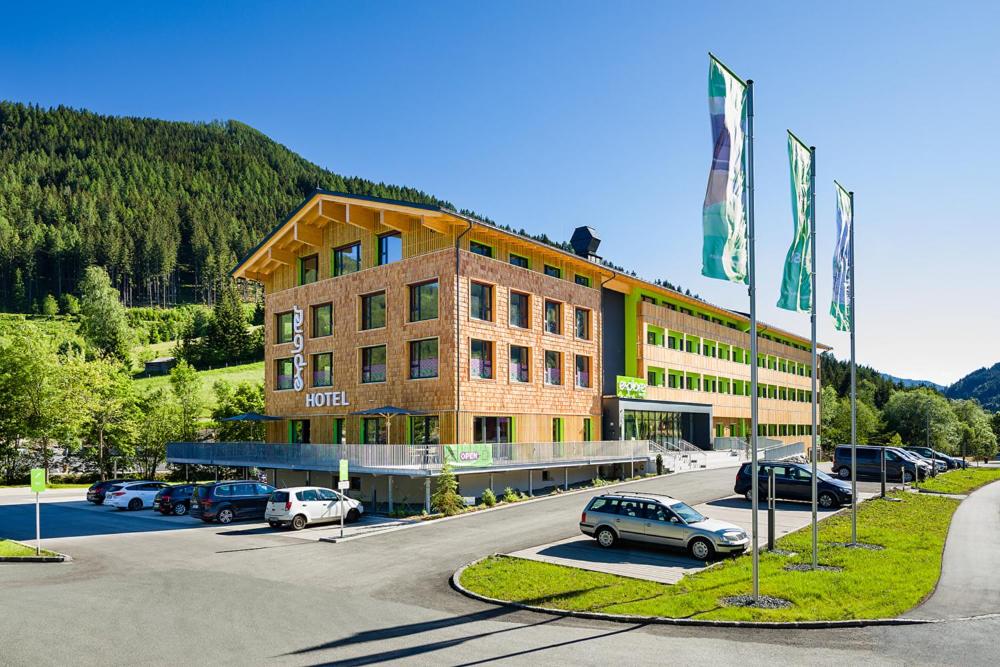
753,347
854,387
812,261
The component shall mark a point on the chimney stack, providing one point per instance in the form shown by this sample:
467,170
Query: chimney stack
585,243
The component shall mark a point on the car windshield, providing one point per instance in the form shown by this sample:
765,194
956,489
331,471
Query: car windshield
822,475
686,512
279,497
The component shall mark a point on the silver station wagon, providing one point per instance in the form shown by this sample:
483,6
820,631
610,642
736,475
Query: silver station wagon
662,520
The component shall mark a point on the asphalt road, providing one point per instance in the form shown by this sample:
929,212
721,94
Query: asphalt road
140,593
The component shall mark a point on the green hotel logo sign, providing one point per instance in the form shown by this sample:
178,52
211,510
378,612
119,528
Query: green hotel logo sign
628,387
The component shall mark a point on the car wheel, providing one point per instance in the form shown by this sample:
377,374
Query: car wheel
907,477
299,522
135,504
827,500
353,515
701,548
844,473
225,515
606,538
749,496
180,509
273,524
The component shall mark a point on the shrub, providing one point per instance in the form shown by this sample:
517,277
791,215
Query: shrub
510,495
446,499
49,306
489,498
69,304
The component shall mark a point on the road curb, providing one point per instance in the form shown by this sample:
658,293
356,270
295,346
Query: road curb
455,582
58,558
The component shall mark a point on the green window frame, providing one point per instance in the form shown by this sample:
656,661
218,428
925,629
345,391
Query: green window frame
425,430
581,280
553,271
588,429
479,248
519,260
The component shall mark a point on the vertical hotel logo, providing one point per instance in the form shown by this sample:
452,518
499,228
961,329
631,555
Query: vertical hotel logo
298,360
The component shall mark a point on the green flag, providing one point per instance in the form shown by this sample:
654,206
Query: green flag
724,216
796,285
840,305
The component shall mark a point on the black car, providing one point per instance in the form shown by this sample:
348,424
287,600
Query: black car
793,481
897,466
174,499
929,453
228,501
98,490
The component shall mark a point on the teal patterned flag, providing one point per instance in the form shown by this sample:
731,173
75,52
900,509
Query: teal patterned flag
796,285
840,306
724,216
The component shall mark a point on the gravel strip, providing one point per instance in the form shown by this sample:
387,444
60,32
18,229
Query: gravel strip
859,545
763,602
806,567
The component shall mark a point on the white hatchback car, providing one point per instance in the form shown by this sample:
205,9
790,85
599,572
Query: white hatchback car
133,495
300,506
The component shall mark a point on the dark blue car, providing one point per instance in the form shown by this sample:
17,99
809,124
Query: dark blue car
793,481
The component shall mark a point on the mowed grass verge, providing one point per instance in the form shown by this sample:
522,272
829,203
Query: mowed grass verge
872,584
9,549
961,481
253,372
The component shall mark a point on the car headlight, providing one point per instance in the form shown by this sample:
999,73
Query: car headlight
734,536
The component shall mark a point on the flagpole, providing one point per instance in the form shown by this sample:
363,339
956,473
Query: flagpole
815,431
753,348
854,389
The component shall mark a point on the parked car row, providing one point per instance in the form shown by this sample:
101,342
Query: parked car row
225,502
901,463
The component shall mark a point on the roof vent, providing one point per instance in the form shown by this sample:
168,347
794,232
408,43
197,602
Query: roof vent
585,242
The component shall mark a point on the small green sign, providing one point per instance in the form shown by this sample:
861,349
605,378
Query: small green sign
38,479
476,456
629,387
343,469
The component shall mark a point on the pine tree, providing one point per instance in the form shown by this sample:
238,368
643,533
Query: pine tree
228,338
446,499
104,323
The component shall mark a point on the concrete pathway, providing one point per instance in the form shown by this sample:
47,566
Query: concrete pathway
668,566
970,573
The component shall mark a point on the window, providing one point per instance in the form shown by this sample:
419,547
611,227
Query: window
308,269
491,429
553,367
373,431
583,323
298,431
557,429
481,302
373,311
285,328
553,271
481,362
553,317
582,371
517,260
347,259
373,364
588,429
519,364
322,324
424,358
581,280
425,430
648,299
390,248
323,369
284,373
480,249
519,310
424,301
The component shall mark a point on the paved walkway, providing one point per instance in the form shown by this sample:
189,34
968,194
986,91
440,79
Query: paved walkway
664,565
970,574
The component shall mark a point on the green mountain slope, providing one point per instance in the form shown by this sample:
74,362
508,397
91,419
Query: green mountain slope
982,385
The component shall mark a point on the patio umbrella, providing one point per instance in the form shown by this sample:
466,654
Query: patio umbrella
254,417
388,412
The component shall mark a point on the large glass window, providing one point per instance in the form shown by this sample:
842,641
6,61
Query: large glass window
481,362
322,369
553,317
373,364
553,367
284,373
373,311
480,249
519,364
322,324
491,429
347,259
308,269
519,313
424,358
582,371
390,248
481,301
285,327
424,301
425,430
583,323
298,431
373,431
517,260
657,426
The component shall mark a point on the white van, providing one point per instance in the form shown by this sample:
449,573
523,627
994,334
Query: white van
300,506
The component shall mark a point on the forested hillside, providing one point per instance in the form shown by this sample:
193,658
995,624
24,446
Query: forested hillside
165,207
982,385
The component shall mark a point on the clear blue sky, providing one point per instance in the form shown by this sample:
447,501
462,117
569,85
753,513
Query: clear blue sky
551,115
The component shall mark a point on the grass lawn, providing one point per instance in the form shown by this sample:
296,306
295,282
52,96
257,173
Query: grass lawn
872,584
10,549
961,481
246,372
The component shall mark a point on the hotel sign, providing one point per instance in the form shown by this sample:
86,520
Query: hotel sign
298,359
326,399
629,387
